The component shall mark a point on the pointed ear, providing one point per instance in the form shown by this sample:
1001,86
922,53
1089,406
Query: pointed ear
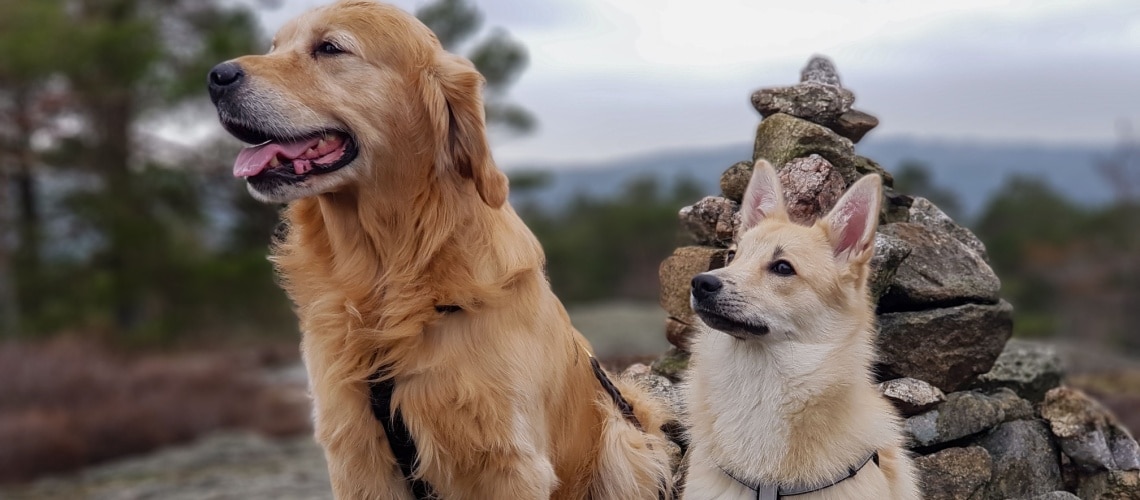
453,94
763,198
852,223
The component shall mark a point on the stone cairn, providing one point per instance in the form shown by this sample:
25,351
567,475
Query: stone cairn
987,417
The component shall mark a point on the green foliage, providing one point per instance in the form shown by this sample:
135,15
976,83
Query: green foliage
914,178
140,270
453,21
600,249
498,57
32,39
1068,269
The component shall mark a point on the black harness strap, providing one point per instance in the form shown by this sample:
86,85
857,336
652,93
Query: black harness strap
615,394
399,438
774,492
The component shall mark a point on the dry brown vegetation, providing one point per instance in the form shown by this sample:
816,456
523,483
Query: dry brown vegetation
68,403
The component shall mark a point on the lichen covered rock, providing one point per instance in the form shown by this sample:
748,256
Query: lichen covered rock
711,221
781,138
1088,433
954,473
1028,368
965,414
946,347
911,396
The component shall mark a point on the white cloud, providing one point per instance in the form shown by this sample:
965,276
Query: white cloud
610,77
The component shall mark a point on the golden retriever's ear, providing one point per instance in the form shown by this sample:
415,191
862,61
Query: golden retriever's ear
454,100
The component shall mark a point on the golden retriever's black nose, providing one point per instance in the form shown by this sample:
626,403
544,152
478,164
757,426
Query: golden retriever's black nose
705,286
224,77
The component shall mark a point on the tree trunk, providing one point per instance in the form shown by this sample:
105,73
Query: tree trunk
9,305
127,219
25,256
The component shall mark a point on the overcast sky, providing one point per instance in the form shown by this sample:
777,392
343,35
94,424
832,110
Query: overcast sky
614,77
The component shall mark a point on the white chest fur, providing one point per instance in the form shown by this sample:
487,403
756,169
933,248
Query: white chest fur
749,404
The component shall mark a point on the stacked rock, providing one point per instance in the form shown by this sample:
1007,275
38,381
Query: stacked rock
985,415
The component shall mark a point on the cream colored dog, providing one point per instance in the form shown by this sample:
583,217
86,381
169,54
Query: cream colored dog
414,279
781,399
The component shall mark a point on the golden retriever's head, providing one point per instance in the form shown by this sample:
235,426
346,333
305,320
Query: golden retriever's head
355,95
788,281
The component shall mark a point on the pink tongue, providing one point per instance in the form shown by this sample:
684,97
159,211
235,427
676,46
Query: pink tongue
253,160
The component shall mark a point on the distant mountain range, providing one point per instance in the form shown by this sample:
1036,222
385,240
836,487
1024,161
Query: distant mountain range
972,170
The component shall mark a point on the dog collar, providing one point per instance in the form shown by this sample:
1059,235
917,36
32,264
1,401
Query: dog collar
766,491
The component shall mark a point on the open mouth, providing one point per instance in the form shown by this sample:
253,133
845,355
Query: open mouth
290,159
731,326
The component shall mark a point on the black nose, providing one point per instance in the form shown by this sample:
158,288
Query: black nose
706,285
224,77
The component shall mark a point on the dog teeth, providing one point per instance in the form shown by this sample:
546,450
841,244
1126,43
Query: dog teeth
274,162
311,152
321,145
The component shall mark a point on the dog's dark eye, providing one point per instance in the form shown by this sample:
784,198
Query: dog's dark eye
328,49
782,268
728,256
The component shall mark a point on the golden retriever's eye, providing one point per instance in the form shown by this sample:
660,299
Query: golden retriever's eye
782,267
327,49
728,256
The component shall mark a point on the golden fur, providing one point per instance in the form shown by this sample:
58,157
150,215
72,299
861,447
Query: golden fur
786,396
500,397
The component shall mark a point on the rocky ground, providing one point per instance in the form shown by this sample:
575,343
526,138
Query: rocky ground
246,466
227,466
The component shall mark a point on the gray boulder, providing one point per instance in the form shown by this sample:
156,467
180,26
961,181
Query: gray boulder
940,271
854,124
1028,368
711,221
954,473
911,396
676,274
1025,460
896,207
1055,495
1088,433
811,187
1110,485
889,254
965,414
780,138
867,166
820,69
945,347
925,213
735,179
815,102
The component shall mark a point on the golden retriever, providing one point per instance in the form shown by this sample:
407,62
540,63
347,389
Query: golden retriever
781,398
405,261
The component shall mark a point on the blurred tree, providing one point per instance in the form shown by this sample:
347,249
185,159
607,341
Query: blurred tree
1068,269
1025,218
497,56
34,42
914,178
1121,167
606,248
139,58
77,80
